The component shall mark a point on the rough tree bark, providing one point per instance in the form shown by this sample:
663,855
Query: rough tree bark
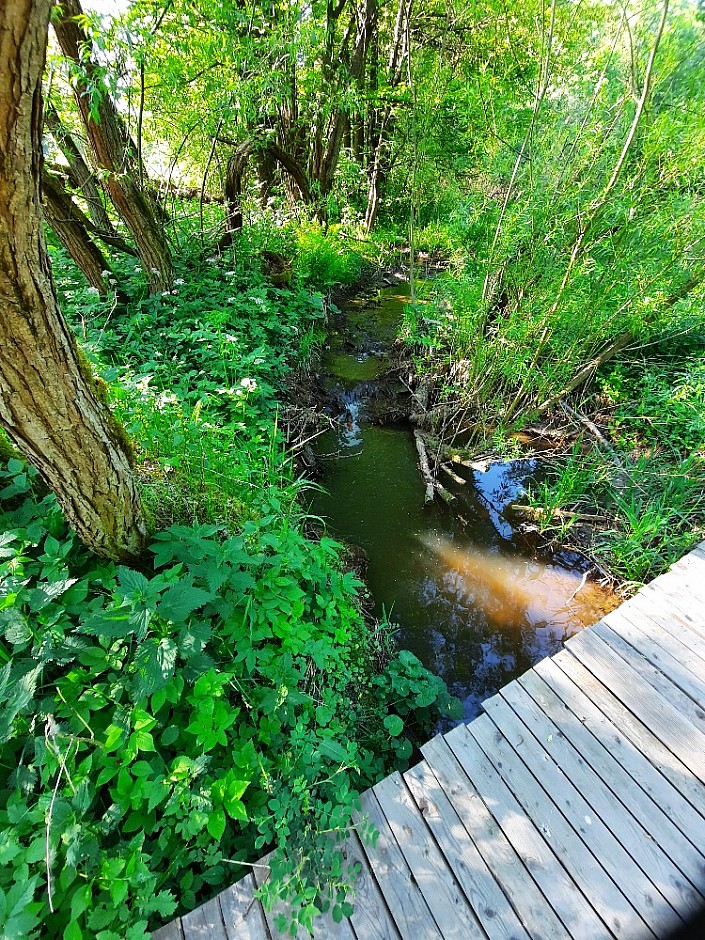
237,165
69,225
49,402
115,151
83,177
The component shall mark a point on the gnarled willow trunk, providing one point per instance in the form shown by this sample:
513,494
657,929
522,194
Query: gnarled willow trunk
115,151
70,226
49,403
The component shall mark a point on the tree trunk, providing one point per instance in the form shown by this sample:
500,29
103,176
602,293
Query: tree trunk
82,175
115,151
234,180
381,125
50,405
69,225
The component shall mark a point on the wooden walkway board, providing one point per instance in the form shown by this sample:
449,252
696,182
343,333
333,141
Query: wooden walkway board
574,808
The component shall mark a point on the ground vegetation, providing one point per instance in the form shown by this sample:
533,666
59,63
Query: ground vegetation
187,677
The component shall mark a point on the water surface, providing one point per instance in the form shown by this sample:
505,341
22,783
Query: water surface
472,601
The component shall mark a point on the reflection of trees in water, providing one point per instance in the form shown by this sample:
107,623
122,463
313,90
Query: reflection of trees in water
501,482
481,634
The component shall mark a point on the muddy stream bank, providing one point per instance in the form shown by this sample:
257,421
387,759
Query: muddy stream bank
472,598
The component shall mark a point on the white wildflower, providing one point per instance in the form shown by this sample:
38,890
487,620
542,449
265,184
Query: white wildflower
166,398
230,273
179,282
93,290
249,384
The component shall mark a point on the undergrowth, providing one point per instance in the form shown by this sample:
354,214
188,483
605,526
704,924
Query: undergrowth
649,489
159,726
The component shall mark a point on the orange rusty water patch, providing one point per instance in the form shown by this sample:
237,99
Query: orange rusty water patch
512,590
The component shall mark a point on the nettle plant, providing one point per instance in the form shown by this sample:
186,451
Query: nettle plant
160,726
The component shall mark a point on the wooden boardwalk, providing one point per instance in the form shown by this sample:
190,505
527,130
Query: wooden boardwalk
574,807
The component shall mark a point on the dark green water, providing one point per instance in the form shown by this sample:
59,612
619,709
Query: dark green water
473,604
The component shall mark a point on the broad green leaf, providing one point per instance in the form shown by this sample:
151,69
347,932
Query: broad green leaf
216,823
182,599
394,725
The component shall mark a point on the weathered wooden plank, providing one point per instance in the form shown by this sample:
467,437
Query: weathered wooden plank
486,898
371,919
671,801
685,863
693,560
592,829
678,593
446,901
635,730
205,923
652,642
324,927
637,841
620,917
686,579
555,882
681,583
170,931
682,639
682,589
243,917
664,685
671,727
404,899
507,866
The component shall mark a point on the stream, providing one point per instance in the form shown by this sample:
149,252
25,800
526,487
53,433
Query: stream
471,598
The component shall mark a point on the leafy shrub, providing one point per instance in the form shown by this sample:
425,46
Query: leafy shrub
158,727
323,261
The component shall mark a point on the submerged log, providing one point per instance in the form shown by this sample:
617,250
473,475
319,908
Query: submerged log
559,515
453,475
425,467
433,487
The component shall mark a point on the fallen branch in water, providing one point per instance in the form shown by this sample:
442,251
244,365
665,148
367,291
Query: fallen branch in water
453,475
425,467
577,590
560,515
432,485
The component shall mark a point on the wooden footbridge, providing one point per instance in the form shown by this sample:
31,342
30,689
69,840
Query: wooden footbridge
574,807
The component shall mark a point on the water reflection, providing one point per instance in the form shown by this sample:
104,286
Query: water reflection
470,603
514,590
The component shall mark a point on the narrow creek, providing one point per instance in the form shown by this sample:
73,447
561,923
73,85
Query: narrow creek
471,598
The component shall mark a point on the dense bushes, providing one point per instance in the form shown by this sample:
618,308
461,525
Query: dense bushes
160,725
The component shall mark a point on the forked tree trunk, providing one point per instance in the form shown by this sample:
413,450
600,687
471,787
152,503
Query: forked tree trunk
49,402
115,151
69,226
234,180
82,175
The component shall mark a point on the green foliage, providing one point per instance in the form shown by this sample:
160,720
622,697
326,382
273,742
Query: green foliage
162,725
194,375
323,260
225,700
659,517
